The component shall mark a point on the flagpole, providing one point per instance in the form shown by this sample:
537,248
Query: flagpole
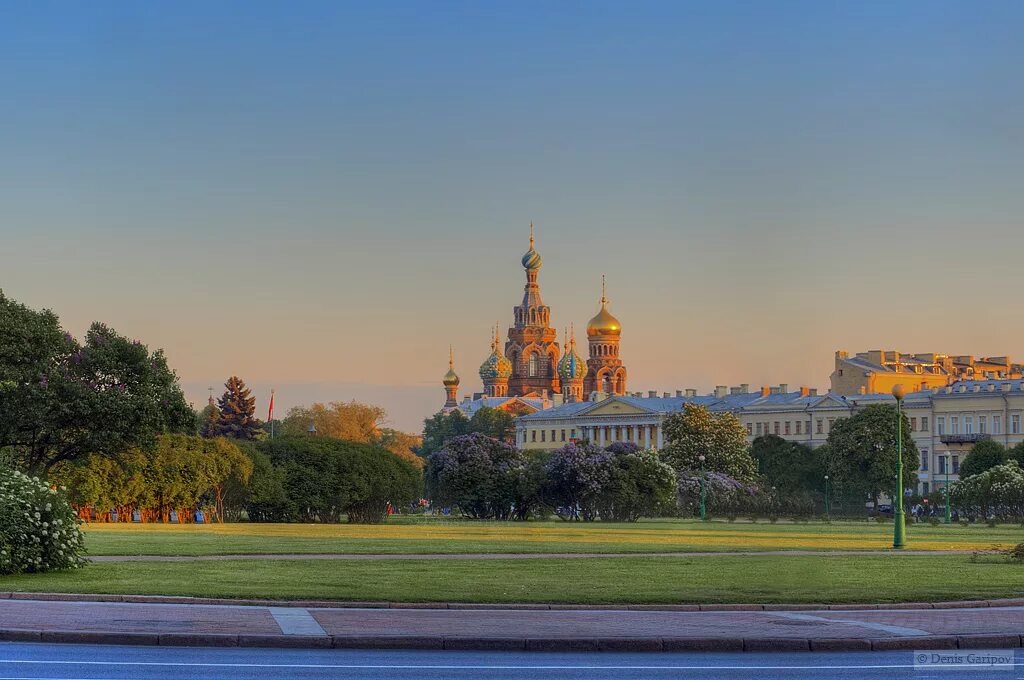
270,415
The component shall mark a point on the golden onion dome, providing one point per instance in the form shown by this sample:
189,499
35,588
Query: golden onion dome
604,323
450,378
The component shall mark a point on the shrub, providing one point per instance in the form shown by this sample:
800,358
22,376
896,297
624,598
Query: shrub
639,485
577,475
38,527
478,474
324,478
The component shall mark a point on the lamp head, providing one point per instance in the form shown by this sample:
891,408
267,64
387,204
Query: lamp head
898,392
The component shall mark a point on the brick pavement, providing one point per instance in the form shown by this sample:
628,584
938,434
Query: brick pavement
482,627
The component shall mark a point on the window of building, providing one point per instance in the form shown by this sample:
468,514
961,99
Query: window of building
982,424
563,435
956,464
572,434
750,429
940,425
924,460
776,427
968,424
913,424
997,424
533,435
787,427
553,436
924,489
533,365
954,424
1015,424
821,426
831,423
924,423
942,464
799,425
543,435
759,429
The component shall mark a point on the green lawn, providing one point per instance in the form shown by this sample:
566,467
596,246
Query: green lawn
723,578
530,537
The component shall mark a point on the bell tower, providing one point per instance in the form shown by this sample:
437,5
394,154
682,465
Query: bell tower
532,345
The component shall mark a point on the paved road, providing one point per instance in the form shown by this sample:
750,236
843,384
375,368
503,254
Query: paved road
505,556
95,662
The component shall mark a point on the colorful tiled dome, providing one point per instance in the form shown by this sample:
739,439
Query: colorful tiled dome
531,260
571,366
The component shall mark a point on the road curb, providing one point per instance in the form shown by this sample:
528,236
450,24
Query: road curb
531,606
583,644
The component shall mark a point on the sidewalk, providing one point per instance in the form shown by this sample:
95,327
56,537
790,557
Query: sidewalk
156,621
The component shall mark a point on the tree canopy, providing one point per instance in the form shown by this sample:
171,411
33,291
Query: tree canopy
985,455
862,453
350,421
236,412
61,400
719,437
491,422
788,466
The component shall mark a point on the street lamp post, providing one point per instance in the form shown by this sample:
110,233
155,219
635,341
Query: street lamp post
949,515
703,507
899,530
828,508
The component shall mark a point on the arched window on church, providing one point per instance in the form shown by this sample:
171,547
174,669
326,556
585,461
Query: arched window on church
533,365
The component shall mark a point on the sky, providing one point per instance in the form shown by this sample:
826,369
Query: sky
321,197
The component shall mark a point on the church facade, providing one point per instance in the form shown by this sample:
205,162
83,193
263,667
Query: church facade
531,364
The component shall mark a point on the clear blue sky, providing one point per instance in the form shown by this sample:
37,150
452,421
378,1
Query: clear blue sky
324,195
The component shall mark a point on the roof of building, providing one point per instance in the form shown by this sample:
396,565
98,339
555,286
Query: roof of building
471,406
970,388
749,402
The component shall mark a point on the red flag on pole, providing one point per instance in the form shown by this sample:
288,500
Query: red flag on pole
270,413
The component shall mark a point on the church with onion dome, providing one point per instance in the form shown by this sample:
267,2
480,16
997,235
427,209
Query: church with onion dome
530,371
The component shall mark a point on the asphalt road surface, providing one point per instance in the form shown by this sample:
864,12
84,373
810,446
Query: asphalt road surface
34,661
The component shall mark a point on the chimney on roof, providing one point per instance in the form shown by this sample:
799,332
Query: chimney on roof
1007,387
652,393
679,393
813,392
773,390
784,388
744,388
666,394
721,391
734,390
765,390
804,391
465,398
863,390
691,393
991,387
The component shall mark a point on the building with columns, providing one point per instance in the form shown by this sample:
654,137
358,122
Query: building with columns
944,423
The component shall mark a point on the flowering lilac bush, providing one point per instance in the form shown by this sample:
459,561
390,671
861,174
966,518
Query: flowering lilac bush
478,474
38,527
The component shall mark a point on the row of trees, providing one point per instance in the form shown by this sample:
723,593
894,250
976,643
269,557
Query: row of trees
106,418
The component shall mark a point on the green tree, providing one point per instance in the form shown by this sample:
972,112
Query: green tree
441,427
719,437
61,400
1017,454
788,466
237,408
862,453
494,423
985,455
402,444
350,421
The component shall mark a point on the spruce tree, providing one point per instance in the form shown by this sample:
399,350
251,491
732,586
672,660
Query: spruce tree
236,407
